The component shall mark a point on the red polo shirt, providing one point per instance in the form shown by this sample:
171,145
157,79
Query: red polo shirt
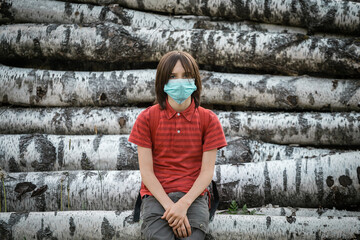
178,145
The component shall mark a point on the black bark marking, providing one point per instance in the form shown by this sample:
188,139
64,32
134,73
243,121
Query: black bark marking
345,180
267,10
261,85
242,10
37,48
44,233
96,142
60,153
61,117
39,191
311,99
6,228
40,93
68,9
285,180
205,10
5,10
305,126
290,219
349,91
44,147
128,161
267,185
227,87
282,212
13,165
121,14
319,183
86,164
251,195
268,221
103,13
358,174
329,181
196,39
24,187
51,27
72,226
107,231
298,175
18,37
65,43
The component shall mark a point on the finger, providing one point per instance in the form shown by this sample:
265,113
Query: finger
171,219
174,223
187,225
180,233
175,232
179,225
165,214
183,230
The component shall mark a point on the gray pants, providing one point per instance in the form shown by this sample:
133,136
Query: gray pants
153,227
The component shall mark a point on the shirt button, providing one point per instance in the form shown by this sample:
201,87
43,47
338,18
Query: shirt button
178,131
178,114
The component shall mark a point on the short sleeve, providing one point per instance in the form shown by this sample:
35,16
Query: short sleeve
214,136
140,132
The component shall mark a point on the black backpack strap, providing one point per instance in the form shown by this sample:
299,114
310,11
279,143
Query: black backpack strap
214,201
136,217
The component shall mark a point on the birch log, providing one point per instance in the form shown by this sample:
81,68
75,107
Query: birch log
71,190
270,210
48,11
330,181
35,87
312,128
271,52
316,15
119,225
324,181
37,152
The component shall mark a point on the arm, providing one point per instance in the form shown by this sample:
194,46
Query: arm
175,214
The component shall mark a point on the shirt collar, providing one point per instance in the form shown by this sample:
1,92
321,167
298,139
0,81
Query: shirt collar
187,113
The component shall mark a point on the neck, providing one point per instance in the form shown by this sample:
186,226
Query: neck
179,107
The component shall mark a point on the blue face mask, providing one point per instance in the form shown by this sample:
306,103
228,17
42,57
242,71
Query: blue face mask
180,89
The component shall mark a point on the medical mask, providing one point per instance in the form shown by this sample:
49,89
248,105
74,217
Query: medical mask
180,89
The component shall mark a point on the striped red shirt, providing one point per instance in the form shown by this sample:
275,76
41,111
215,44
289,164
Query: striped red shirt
178,145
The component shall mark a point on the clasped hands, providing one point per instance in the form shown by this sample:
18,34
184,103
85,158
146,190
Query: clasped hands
175,214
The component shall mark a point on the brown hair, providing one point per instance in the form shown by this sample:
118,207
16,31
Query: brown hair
164,71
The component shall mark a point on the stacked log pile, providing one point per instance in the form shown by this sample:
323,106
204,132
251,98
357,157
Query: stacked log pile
282,76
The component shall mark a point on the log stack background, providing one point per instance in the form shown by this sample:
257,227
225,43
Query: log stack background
282,76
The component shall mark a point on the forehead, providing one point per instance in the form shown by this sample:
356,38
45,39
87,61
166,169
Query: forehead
178,68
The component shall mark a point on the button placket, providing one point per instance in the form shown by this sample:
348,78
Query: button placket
177,116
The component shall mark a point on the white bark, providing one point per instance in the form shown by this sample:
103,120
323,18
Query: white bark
35,87
47,11
81,190
322,15
31,153
119,225
324,181
291,54
330,181
311,128
270,210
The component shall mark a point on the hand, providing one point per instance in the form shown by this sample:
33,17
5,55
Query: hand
184,230
175,214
